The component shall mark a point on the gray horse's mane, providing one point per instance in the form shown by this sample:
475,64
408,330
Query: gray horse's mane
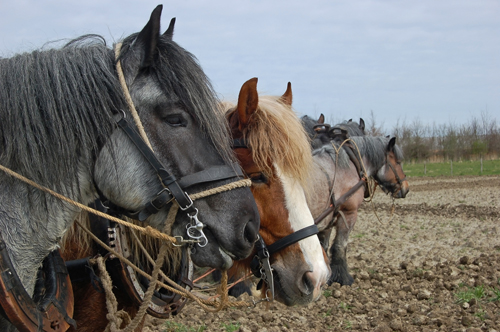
63,101
373,148
309,124
352,128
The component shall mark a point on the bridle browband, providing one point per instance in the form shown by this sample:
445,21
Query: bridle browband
260,264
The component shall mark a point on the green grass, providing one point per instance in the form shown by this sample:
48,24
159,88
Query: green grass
328,313
231,327
466,294
359,235
344,306
327,293
347,324
490,167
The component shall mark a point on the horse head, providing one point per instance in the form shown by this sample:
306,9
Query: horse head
391,177
178,109
274,152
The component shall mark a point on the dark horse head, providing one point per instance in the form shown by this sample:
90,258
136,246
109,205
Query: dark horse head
58,126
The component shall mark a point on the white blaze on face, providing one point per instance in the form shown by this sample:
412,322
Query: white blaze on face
300,217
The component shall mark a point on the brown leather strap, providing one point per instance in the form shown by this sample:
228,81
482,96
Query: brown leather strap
339,202
50,315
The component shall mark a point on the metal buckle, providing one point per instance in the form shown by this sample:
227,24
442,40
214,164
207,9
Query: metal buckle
190,204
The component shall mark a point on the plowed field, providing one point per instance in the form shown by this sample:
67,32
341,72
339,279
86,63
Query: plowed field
433,265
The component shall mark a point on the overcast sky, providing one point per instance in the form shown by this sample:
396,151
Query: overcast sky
435,61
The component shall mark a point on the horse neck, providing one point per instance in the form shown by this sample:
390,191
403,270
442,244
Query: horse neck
372,152
331,171
40,223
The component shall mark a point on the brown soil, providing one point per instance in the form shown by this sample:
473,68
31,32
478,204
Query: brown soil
408,268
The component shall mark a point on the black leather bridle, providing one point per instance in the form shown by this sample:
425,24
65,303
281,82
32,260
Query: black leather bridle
173,189
260,264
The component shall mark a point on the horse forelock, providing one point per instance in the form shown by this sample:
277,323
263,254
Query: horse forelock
181,77
276,135
63,100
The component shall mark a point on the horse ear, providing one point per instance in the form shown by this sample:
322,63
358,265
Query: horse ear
391,144
148,37
362,124
248,101
170,31
287,96
321,119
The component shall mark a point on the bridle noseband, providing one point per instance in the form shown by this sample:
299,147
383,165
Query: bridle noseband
260,264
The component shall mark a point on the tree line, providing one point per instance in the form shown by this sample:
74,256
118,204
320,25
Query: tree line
478,138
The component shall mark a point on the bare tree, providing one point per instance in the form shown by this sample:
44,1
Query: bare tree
372,128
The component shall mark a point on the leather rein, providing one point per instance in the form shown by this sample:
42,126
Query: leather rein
260,264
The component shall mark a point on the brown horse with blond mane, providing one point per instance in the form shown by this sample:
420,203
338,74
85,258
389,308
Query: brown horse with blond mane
273,150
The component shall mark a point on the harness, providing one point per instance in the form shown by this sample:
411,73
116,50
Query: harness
341,136
52,304
399,181
260,264
126,280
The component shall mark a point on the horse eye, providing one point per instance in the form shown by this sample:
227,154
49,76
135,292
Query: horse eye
258,178
176,120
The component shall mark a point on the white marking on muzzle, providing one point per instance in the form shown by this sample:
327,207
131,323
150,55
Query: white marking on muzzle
300,217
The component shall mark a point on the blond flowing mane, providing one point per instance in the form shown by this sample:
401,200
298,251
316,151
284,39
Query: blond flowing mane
276,135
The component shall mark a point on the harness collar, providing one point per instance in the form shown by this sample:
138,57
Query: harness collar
49,309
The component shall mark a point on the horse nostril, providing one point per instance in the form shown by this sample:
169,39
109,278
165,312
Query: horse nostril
307,283
251,231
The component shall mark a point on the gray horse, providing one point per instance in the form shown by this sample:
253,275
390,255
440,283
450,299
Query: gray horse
59,110
378,158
